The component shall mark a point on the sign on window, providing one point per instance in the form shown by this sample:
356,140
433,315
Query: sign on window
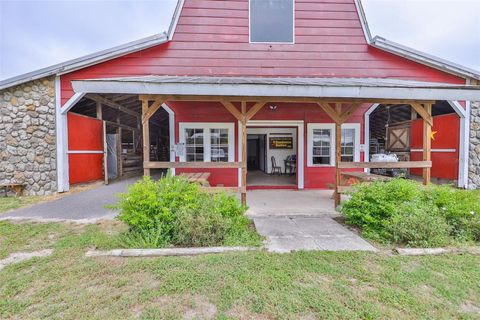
281,143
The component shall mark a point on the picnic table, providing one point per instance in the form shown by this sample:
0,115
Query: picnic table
15,187
353,177
198,177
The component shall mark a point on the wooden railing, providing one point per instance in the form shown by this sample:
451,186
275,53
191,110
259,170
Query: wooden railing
191,165
385,165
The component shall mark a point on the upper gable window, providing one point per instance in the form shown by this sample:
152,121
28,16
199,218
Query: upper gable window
271,21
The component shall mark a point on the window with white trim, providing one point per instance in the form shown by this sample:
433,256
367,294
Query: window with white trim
209,142
272,21
321,143
194,146
348,145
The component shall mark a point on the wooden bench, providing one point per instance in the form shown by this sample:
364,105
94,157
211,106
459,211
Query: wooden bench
15,187
198,177
350,178
354,177
202,179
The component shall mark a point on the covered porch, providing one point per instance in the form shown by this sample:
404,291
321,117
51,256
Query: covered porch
243,98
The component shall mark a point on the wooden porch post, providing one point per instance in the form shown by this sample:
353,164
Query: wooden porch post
243,116
425,111
339,118
244,153
119,149
147,113
146,138
338,153
427,144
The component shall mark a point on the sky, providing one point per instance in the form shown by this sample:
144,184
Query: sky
37,34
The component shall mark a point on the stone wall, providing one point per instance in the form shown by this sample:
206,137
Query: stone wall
27,136
474,154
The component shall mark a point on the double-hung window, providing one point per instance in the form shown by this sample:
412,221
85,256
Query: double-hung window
207,142
321,143
272,21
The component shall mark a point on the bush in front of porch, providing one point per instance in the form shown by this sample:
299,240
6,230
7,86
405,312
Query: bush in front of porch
404,212
175,212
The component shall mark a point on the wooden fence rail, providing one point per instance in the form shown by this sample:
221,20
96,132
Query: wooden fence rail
385,165
190,165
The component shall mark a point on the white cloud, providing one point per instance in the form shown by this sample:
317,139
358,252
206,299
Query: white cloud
448,29
36,34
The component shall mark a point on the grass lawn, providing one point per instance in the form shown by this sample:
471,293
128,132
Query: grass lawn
11,202
249,285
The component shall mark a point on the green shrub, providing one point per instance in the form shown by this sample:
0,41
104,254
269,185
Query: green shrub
148,238
172,211
371,205
201,227
405,212
461,209
417,224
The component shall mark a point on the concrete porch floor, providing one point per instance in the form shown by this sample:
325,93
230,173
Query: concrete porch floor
290,202
290,220
260,178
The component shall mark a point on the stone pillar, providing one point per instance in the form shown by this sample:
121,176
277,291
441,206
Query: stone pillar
27,136
474,149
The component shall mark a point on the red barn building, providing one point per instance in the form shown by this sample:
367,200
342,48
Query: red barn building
242,89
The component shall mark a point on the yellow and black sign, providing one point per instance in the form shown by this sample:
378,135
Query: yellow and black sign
281,143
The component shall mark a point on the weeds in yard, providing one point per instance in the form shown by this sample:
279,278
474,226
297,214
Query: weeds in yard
407,213
174,212
247,285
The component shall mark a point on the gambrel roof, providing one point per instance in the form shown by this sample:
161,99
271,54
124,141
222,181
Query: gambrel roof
148,42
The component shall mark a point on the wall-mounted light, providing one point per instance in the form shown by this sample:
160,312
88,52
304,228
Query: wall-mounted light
273,108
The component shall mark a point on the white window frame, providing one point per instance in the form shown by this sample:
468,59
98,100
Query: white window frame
207,148
250,25
331,126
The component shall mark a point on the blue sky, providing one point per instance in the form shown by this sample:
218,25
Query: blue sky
36,34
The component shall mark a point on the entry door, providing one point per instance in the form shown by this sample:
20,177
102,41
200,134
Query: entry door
85,148
262,154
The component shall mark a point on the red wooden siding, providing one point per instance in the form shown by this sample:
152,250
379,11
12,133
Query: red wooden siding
84,133
211,39
315,177
444,164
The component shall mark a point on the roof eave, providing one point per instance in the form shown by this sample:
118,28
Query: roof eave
196,88
86,61
412,54
424,58
176,16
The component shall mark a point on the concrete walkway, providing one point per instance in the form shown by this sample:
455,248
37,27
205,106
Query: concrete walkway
290,202
294,233
83,206
292,220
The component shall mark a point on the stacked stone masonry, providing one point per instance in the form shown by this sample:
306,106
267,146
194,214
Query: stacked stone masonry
27,136
474,154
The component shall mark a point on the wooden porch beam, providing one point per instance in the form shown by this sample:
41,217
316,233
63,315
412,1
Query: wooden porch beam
354,107
232,109
330,112
111,104
253,110
120,125
423,112
157,104
152,97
